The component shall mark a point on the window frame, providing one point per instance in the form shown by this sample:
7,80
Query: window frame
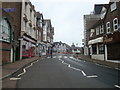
108,27
94,49
115,24
101,29
101,48
97,30
8,28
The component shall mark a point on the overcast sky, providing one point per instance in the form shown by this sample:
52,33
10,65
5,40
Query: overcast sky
67,17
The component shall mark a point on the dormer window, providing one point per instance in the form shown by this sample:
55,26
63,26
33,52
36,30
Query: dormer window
113,6
115,24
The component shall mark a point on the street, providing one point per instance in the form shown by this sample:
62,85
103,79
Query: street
64,71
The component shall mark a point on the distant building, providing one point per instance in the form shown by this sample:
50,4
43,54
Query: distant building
60,47
76,50
87,24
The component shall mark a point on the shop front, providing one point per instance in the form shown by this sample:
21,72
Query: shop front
28,47
112,42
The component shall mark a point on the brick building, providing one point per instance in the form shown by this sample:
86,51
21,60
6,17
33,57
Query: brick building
104,41
112,32
11,13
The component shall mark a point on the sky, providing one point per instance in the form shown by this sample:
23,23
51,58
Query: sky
67,17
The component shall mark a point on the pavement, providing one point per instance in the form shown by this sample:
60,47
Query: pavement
109,63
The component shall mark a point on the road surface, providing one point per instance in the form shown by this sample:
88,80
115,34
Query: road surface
64,71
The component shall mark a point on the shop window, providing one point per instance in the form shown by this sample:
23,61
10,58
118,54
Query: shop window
115,24
94,49
108,27
5,30
101,48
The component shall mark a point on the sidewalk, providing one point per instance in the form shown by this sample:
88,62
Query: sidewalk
105,63
9,69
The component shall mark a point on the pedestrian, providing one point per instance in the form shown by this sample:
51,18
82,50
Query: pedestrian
51,51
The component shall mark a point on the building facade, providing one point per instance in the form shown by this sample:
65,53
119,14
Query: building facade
28,36
12,10
104,35
87,24
112,30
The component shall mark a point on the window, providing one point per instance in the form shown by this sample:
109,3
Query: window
97,31
108,27
5,30
37,33
94,49
101,48
113,6
115,24
101,29
92,32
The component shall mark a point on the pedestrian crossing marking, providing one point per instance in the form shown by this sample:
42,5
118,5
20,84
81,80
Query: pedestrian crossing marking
65,57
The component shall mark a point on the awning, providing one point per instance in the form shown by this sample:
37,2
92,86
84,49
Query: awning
97,40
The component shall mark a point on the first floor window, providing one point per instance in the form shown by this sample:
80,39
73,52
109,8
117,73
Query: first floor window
5,30
101,29
108,27
101,48
97,31
115,24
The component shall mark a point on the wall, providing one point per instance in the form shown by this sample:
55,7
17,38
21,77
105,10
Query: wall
98,57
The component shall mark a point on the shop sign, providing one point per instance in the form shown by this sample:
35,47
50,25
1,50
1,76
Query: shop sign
108,40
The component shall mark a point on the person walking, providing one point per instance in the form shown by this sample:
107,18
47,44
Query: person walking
51,51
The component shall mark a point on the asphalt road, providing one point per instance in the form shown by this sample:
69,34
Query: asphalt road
63,71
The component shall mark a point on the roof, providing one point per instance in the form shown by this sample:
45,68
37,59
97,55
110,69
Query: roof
98,8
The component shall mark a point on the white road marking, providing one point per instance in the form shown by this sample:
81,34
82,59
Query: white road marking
24,71
54,57
75,69
97,64
60,56
117,68
15,78
117,86
83,73
66,63
62,61
48,57
93,76
69,65
65,57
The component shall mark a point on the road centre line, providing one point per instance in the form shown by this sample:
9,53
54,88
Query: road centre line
75,68
92,76
84,74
